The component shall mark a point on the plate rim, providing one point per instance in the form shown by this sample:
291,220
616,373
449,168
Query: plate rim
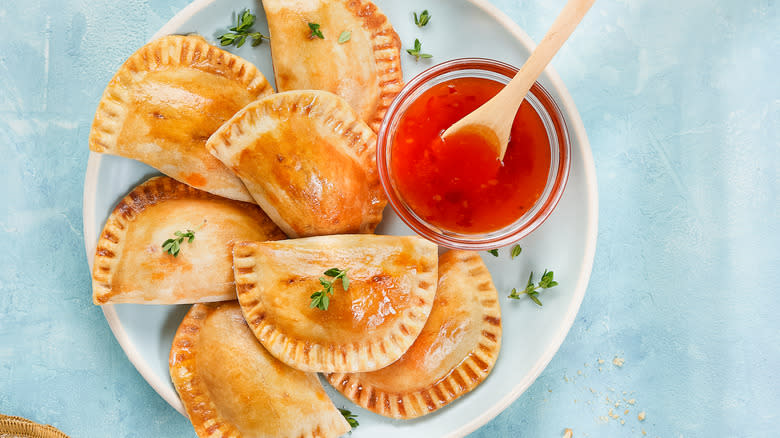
577,130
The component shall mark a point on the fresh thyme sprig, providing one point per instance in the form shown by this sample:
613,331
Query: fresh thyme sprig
345,36
315,31
423,19
516,250
241,31
321,298
493,252
173,246
350,417
532,290
416,51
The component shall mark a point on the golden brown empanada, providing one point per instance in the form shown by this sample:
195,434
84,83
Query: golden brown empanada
365,70
392,282
164,103
131,266
231,387
308,161
454,353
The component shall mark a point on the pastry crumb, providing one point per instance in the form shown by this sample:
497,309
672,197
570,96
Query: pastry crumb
622,421
641,416
568,433
626,412
618,361
601,361
643,432
632,401
613,414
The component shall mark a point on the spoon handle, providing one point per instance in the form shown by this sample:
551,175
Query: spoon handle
493,120
564,25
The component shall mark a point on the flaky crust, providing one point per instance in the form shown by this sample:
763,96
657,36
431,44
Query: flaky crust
454,353
231,387
392,282
308,160
131,266
366,70
164,103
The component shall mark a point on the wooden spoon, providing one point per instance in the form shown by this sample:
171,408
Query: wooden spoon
493,120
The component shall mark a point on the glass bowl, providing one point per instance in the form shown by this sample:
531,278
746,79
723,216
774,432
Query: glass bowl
557,134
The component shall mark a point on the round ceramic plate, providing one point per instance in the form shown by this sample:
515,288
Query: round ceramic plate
565,243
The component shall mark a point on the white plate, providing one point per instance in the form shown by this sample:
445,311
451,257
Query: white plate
565,243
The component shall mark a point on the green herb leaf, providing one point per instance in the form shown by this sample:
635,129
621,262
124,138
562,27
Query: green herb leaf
423,19
416,51
333,272
315,31
345,36
516,250
321,298
532,290
350,417
239,33
173,246
493,252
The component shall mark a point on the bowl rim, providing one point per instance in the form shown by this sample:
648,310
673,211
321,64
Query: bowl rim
534,217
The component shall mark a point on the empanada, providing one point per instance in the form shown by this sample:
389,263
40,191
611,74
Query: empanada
308,161
164,103
131,265
454,353
392,282
231,387
365,70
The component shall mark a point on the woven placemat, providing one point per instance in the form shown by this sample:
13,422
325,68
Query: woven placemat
18,427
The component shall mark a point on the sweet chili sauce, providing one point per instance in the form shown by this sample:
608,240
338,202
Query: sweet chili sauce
459,184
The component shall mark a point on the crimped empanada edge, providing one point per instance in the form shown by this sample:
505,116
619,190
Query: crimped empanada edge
387,55
182,367
325,358
166,52
111,241
196,397
336,114
462,379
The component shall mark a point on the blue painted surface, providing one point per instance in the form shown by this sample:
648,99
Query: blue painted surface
682,105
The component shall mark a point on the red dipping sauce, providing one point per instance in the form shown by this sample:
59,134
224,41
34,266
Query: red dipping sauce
459,184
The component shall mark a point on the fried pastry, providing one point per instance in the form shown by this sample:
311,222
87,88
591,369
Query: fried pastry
454,353
231,387
131,265
390,290
164,103
308,161
365,69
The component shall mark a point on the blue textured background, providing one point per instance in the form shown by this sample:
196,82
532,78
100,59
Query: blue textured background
681,101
